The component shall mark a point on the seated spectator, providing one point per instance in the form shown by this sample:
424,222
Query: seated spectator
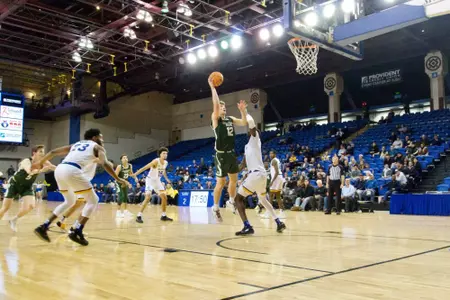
305,198
342,151
312,175
382,120
417,166
373,149
348,196
402,129
388,160
353,162
401,179
292,159
423,150
393,137
397,144
136,194
320,195
412,171
383,152
391,187
360,185
95,187
424,140
437,141
172,195
305,165
355,172
398,158
371,186
387,172
351,148
209,185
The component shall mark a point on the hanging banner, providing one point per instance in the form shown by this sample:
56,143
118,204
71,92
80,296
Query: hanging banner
379,79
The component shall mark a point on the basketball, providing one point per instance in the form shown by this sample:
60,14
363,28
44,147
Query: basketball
217,78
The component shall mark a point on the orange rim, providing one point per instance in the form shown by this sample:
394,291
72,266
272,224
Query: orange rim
291,43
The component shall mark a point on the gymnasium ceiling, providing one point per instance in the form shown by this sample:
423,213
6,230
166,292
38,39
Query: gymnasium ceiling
45,34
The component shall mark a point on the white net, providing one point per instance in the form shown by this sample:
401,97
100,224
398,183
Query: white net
306,55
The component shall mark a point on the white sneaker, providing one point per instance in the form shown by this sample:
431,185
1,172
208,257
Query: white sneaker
282,215
13,225
119,214
231,206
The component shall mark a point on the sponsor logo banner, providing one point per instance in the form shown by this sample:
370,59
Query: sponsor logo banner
10,136
11,112
11,124
379,79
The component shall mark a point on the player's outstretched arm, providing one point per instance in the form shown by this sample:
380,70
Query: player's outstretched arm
242,106
118,169
53,153
215,101
251,125
146,167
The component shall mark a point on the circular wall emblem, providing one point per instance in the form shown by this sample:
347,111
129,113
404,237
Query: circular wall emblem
330,83
433,63
254,98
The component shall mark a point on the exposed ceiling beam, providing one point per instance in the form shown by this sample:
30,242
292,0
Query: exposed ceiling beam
10,8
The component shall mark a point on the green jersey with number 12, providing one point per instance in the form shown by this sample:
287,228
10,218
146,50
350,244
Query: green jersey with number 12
224,133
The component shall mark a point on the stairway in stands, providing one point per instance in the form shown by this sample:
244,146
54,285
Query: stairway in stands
435,177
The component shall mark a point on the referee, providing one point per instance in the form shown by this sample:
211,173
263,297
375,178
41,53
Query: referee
335,182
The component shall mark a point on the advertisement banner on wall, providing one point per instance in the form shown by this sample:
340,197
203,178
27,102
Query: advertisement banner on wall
380,79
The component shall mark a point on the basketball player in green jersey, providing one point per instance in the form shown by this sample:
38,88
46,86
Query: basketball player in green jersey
225,158
124,170
21,185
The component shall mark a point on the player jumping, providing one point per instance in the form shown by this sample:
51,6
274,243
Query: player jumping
225,159
256,181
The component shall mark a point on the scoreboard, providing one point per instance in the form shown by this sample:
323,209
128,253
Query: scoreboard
11,118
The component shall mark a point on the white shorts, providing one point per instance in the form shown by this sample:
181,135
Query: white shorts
152,184
256,182
277,185
71,178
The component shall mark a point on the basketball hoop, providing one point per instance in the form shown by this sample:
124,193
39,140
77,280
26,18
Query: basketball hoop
306,55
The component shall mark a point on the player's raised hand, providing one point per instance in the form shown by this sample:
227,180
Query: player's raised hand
210,82
242,106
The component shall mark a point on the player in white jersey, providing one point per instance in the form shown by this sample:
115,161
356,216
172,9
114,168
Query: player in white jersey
256,181
73,176
277,181
153,183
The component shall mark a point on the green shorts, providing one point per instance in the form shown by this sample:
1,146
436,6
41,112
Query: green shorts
226,163
123,194
16,190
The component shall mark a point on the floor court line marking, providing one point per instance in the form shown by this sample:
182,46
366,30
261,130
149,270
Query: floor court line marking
219,243
336,273
252,285
215,255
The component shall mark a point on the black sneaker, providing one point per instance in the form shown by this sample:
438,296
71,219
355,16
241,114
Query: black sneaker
327,212
41,233
139,219
338,213
246,231
217,215
166,218
281,226
78,237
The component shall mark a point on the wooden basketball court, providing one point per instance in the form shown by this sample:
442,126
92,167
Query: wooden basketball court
355,256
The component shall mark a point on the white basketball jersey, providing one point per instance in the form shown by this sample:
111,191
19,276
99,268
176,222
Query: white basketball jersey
272,168
90,170
82,154
156,173
253,154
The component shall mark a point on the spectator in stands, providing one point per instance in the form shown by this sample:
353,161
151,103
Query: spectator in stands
373,149
209,185
382,120
393,137
398,158
346,166
360,185
402,129
423,150
412,171
179,185
307,153
312,174
390,116
305,198
371,187
424,140
355,172
95,187
198,186
401,179
321,174
348,195
313,163
353,162
172,195
417,166
391,187
137,193
342,151
351,148
387,172
437,141
383,152
320,195
305,165
397,144
292,160
388,160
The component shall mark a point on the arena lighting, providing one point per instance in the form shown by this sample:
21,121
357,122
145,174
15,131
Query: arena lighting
191,58
236,42
278,30
224,45
181,60
212,51
297,23
128,32
348,6
85,43
187,12
311,19
144,16
264,34
328,10
76,57
201,53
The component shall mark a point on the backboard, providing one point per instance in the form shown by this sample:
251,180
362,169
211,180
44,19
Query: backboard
315,21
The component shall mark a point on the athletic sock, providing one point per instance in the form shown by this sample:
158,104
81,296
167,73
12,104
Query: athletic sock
247,224
163,214
216,207
232,200
63,218
15,219
139,214
278,221
47,224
